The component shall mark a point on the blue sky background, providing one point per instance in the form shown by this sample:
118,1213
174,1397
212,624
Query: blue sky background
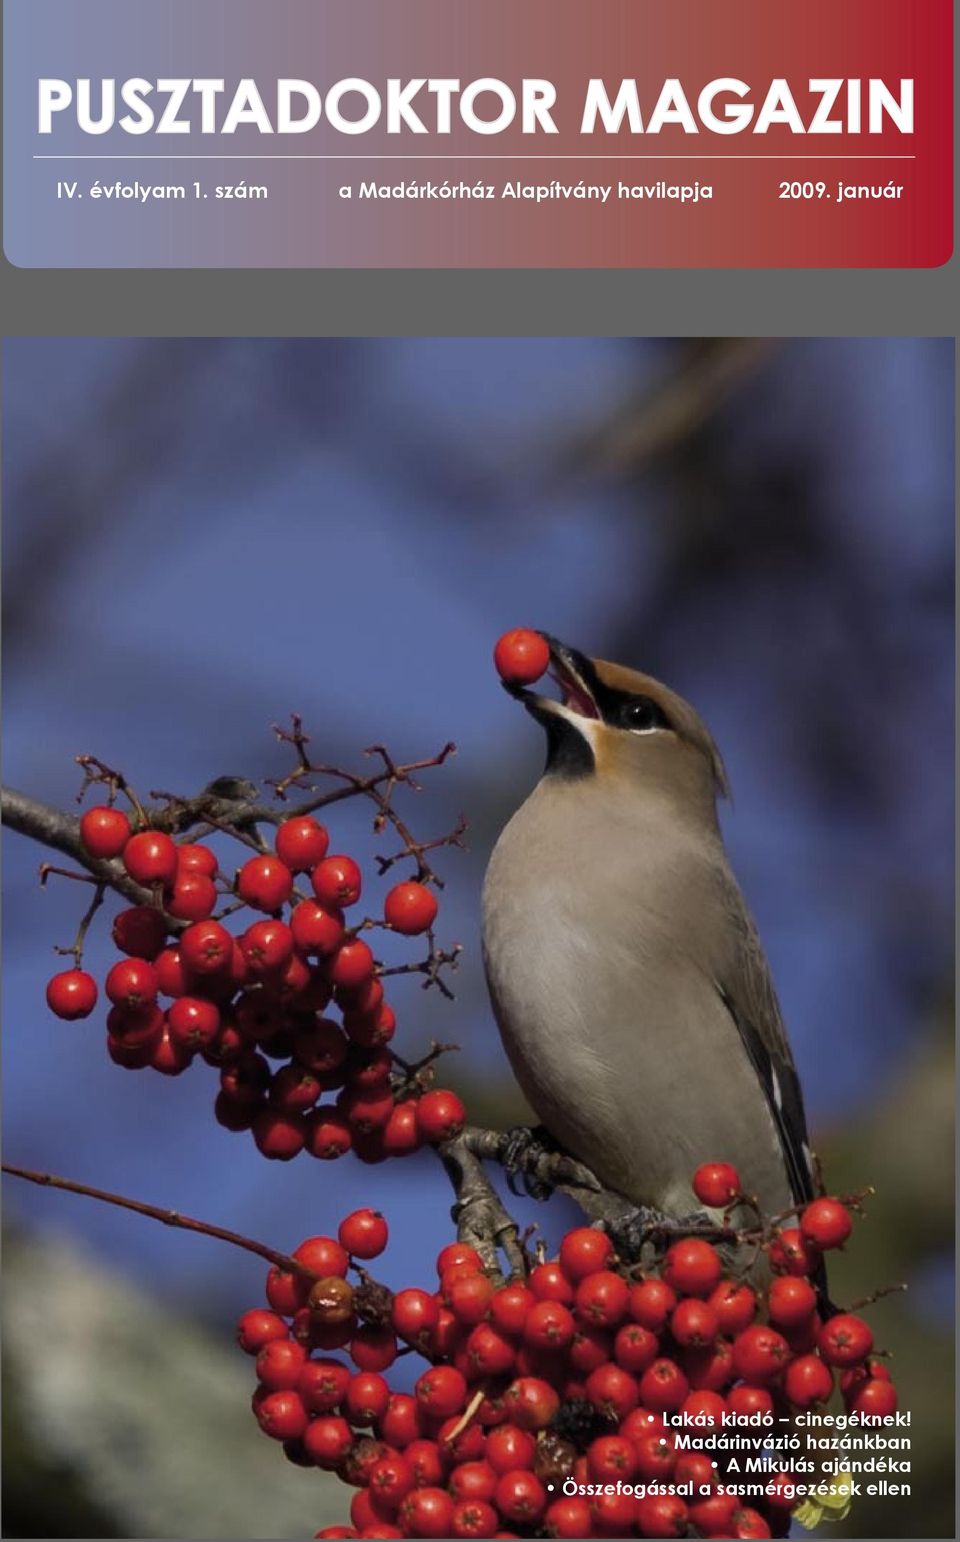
202,536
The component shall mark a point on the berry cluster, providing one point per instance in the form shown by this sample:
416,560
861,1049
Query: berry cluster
289,1008
576,1372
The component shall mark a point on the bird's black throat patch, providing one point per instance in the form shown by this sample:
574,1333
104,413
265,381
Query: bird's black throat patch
568,752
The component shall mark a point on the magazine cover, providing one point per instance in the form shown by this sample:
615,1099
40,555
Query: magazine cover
478,808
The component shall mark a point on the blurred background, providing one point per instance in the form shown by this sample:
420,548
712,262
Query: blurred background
204,535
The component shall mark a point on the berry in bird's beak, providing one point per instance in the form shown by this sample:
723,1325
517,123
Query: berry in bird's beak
521,656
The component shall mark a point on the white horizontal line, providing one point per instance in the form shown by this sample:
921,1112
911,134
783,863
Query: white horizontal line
653,156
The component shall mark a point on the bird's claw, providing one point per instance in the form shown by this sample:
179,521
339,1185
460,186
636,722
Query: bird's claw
646,1227
523,1149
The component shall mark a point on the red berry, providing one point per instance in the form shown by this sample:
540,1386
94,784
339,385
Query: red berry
424,1458
602,1298
613,1391
267,946
692,1267
301,843
279,1363
414,1315
473,1518
549,1325
135,1027
373,1348
368,1397
72,994
808,1381
661,1515
509,1447
171,975
352,963
549,1282
759,1353
323,1384
401,1423
328,1440
327,1134
473,1480
150,857
791,1253
694,1323
735,1305
489,1352
875,1396
282,1415
440,1115
410,908
441,1391
192,858
363,1233
265,882
321,1047
132,983
316,930
715,1515
520,1497
389,1480
749,1524
366,1112
634,1348
845,1340
337,882
286,1292
427,1512
294,1089
521,656
169,1057
469,1297
259,1327
323,1256
568,1518
206,947
716,1184
193,1022
140,931
703,1408
745,1400
531,1402
278,1136
791,1300
614,1514
826,1223
663,1386
192,897
651,1302
457,1255
583,1251
511,1307
104,831
611,1457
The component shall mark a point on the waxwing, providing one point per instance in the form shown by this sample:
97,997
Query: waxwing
627,978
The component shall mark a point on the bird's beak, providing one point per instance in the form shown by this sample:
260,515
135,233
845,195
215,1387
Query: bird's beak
572,672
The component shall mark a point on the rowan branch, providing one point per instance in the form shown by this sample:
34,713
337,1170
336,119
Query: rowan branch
165,1217
61,831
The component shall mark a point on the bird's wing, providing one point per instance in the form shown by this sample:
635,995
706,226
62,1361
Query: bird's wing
750,998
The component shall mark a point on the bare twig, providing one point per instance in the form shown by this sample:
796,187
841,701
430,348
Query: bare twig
165,1217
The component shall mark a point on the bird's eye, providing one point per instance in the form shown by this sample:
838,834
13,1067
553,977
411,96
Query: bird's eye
641,714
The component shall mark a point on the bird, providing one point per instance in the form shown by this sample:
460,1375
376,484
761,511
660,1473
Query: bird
625,971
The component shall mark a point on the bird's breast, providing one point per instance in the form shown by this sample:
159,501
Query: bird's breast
597,947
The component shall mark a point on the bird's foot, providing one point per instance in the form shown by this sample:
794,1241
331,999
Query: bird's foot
646,1228
523,1153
